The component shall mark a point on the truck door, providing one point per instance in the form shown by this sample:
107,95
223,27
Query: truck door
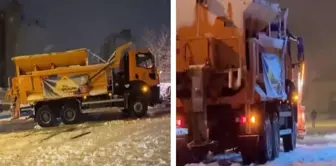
120,75
144,69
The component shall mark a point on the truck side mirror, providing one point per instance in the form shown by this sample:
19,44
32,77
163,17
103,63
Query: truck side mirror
300,49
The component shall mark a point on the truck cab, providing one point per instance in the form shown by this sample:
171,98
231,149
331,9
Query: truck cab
137,68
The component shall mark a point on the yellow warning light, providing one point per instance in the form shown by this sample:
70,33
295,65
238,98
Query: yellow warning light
295,97
253,119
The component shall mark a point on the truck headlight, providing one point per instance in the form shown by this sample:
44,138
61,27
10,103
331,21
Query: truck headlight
144,89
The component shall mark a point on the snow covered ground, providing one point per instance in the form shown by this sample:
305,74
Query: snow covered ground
314,150
130,142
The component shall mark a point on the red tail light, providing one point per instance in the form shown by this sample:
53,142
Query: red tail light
242,119
179,122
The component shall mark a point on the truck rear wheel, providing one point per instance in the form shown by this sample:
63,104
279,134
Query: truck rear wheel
138,107
265,144
45,116
258,150
70,113
276,136
289,141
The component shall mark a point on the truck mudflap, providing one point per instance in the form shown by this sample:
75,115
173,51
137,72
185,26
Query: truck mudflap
246,139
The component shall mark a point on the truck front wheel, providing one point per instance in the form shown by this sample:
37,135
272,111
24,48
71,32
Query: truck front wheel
70,114
261,149
45,117
138,107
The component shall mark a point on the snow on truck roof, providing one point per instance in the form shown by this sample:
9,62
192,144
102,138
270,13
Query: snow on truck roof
44,61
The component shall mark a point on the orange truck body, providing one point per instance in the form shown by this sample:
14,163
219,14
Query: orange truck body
207,34
301,123
54,84
31,71
235,82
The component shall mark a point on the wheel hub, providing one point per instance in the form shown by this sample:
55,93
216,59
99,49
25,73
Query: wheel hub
45,117
138,107
69,114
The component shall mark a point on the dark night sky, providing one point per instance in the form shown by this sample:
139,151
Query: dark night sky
313,21
70,24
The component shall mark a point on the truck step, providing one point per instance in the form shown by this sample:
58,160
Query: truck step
101,110
285,132
102,101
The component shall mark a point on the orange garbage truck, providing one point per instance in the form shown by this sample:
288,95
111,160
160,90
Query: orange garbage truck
235,80
64,85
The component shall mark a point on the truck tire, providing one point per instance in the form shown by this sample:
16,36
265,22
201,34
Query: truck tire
260,150
138,107
70,113
45,116
265,142
248,156
289,141
276,136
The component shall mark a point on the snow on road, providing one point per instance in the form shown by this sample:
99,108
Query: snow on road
119,142
314,150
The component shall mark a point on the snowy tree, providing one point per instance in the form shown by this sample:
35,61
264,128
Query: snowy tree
158,44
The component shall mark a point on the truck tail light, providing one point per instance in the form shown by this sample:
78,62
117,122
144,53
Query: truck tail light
179,121
242,119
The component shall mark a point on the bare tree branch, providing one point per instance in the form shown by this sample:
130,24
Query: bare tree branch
159,44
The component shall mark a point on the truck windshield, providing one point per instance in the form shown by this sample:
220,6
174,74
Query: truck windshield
145,60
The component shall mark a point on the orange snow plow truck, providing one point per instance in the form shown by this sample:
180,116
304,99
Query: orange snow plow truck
64,85
237,85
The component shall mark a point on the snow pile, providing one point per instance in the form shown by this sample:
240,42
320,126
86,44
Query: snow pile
164,90
307,154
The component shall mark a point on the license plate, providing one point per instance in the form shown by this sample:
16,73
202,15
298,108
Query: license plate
181,131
